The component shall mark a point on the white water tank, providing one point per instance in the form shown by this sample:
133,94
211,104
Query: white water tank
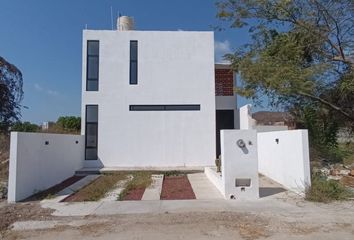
125,23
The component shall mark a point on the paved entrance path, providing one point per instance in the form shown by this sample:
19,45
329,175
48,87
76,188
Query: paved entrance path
202,187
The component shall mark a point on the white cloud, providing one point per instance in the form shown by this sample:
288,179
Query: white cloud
38,88
50,92
221,48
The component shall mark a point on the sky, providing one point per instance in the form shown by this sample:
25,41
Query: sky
44,40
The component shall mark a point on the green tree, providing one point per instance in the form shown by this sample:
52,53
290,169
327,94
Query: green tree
24,127
69,123
11,94
301,55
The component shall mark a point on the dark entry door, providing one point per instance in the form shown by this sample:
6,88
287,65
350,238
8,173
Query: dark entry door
224,120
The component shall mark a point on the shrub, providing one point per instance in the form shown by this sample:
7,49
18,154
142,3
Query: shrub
25,127
323,190
70,123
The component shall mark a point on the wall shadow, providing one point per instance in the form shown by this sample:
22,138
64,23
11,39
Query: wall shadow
269,191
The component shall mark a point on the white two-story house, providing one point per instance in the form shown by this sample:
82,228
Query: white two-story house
153,98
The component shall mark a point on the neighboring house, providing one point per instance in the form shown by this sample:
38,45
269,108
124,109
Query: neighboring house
267,118
153,98
47,125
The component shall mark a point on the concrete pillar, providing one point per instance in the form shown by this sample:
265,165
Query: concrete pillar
239,162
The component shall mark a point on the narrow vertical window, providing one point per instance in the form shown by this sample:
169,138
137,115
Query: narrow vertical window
91,129
133,79
92,65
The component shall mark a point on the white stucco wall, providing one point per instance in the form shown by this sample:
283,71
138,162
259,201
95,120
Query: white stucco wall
246,120
270,128
287,161
173,68
239,163
35,166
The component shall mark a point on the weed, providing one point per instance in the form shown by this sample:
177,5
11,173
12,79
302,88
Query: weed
172,173
140,180
342,153
98,188
323,190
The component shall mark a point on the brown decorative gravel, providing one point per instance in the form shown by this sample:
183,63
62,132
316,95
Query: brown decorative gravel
176,188
134,194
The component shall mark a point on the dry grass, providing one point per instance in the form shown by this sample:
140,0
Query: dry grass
348,149
98,188
58,130
141,180
4,171
323,190
4,147
4,156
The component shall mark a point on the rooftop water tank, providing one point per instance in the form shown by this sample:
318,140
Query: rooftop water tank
125,23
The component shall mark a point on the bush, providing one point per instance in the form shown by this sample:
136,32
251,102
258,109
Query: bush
70,123
323,190
24,127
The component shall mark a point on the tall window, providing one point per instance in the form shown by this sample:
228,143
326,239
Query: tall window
133,62
92,65
91,128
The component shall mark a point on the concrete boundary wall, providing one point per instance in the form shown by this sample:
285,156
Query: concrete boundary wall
284,157
39,161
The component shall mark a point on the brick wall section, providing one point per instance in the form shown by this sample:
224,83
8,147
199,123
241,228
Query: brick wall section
224,82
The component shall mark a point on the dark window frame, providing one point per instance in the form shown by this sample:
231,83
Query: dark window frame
88,56
94,123
165,107
133,59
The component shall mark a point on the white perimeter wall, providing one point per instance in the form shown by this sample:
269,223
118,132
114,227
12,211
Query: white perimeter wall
173,68
35,166
246,120
286,162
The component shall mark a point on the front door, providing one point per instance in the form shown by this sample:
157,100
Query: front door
224,120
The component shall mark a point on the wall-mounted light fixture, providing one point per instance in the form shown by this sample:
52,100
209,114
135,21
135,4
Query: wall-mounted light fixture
240,143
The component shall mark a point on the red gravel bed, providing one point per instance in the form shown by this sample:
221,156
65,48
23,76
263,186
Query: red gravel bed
134,194
55,189
176,188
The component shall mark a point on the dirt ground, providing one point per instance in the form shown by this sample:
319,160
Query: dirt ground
211,225
10,213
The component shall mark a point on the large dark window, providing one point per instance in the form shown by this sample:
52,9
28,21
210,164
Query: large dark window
92,62
91,128
133,78
185,107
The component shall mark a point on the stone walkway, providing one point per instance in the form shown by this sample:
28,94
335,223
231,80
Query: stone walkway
203,188
114,194
153,192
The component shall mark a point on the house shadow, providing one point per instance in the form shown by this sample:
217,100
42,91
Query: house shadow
269,191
